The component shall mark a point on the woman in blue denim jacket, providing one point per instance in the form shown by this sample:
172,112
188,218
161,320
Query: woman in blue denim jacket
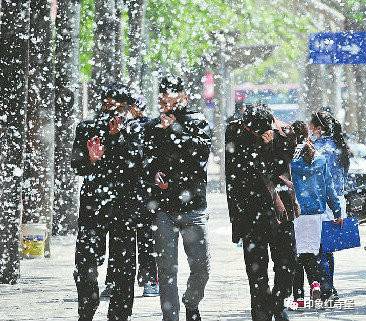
314,191
328,140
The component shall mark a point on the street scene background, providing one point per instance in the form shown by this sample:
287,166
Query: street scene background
46,290
297,56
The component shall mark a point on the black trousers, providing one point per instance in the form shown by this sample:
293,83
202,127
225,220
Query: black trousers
89,254
310,263
147,269
280,238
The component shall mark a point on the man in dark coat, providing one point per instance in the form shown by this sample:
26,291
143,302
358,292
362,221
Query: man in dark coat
238,113
107,152
261,206
177,147
147,275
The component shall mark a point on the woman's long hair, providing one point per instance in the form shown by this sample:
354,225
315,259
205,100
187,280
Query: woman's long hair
332,127
302,134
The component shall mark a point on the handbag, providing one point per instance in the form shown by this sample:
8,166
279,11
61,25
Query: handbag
337,237
308,231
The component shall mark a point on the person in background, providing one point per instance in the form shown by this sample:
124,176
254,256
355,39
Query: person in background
177,147
258,154
147,275
314,190
103,151
239,110
328,139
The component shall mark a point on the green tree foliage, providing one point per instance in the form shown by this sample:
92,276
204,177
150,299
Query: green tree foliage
180,31
86,37
355,9
272,22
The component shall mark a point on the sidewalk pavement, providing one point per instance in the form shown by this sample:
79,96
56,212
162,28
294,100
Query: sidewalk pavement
46,290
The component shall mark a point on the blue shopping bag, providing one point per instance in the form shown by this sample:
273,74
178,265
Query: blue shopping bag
336,237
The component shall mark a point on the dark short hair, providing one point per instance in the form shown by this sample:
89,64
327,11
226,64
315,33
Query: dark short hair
256,104
173,83
259,119
239,105
301,131
118,92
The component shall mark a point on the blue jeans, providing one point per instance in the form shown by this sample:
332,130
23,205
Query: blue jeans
327,265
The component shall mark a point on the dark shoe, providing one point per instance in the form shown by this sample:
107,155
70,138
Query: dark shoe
282,316
335,294
334,297
151,290
261,315
330,296
193,315
106,294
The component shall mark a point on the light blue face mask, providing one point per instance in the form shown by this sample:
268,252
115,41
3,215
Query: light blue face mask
313,137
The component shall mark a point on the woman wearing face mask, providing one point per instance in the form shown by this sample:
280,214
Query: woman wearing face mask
329,141
314,190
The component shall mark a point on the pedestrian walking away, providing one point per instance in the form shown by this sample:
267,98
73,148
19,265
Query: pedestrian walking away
327,135
103,151
262,207
314,189
177,147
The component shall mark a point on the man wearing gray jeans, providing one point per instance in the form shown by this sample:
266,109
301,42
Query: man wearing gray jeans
177,147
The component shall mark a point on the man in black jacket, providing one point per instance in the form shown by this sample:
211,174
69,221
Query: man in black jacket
177,147
261,206
107,152
238,113
147,275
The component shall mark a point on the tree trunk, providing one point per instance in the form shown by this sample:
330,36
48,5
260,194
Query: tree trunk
351,123
361,102
195,87
149,78
119,61
356,116
38,169
104,49
328,89
334,92
136,21
218,130
13,102
150,89
313,96
67,115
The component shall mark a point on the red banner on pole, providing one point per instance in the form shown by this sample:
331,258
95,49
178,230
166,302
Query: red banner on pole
209,86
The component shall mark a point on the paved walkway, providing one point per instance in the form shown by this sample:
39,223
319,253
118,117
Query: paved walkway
46,290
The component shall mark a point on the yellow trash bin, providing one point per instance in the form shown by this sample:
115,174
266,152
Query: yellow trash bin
33,240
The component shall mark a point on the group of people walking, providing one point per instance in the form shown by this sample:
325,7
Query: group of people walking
281,184
139,173
145,184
